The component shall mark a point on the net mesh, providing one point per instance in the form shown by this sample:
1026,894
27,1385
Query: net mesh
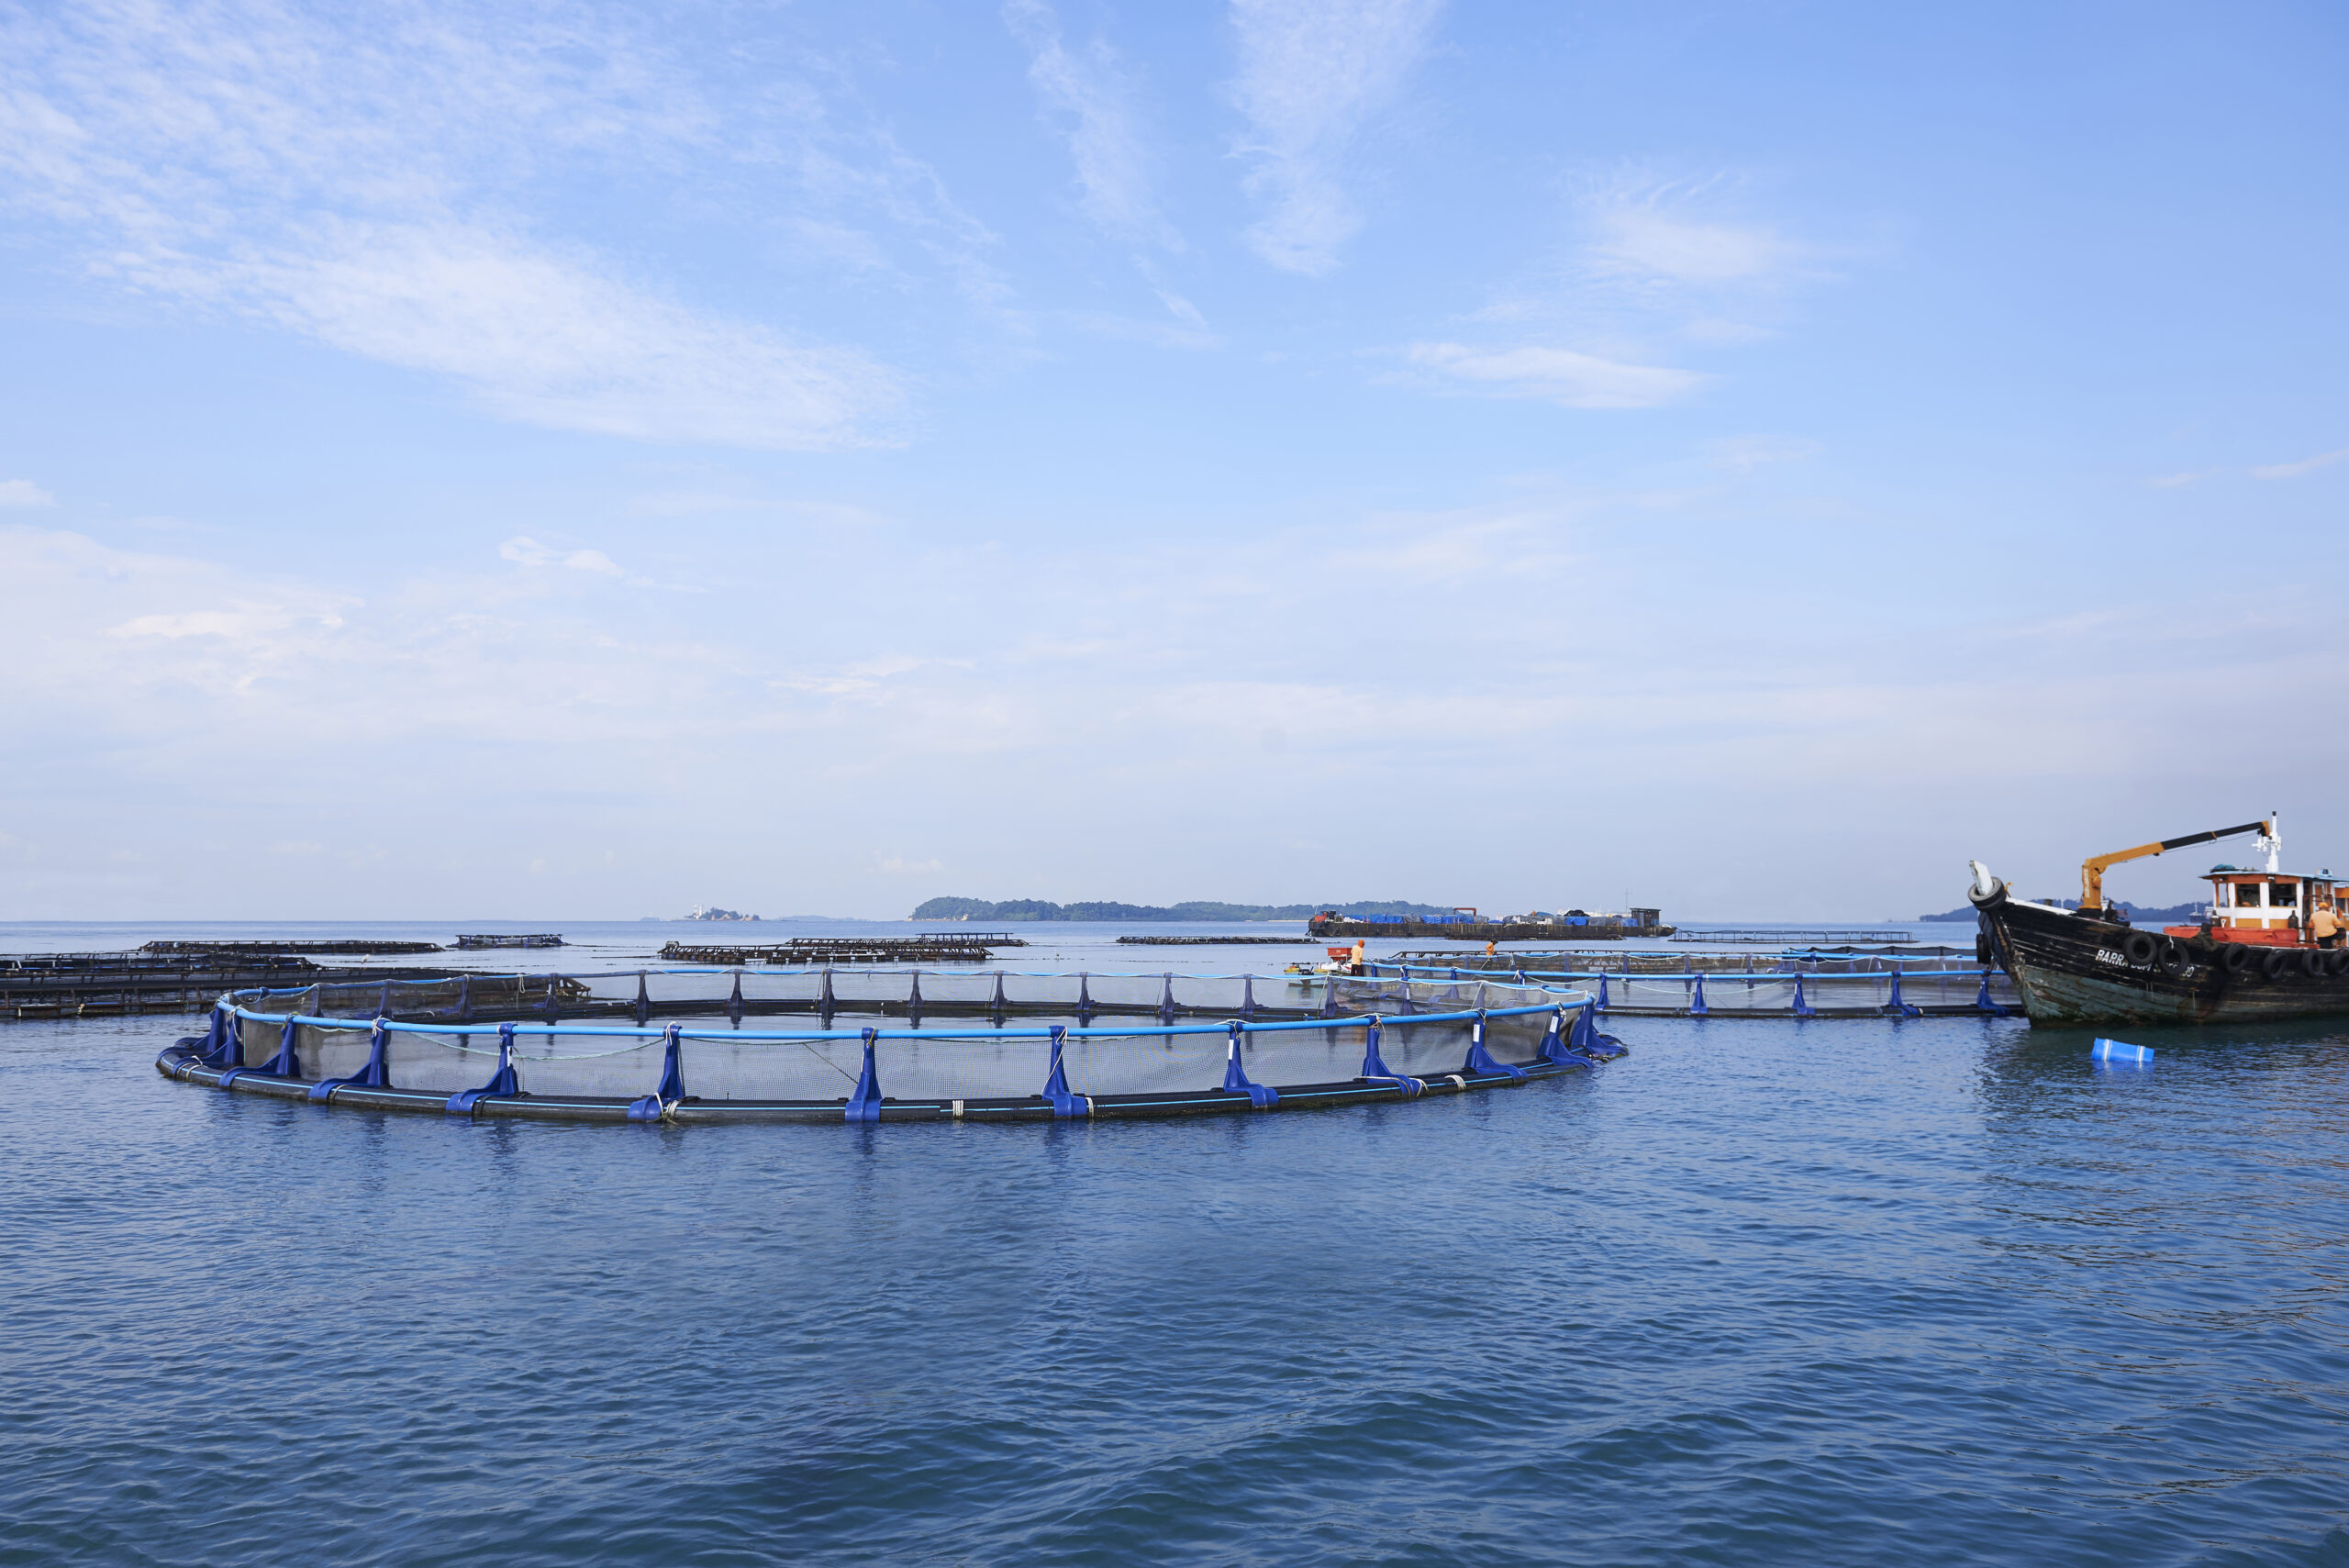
1423,1034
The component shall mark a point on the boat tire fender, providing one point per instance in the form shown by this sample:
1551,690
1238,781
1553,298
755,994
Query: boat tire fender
2273,964
2172,956
2313,963
2337,961
2138,948
2235,958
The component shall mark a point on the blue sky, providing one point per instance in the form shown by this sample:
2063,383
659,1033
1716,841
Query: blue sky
502,462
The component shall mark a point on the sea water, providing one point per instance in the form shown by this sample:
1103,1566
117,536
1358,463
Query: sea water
1926,1291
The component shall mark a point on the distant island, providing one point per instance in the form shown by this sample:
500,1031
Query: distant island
2180,912
1030,909
702,913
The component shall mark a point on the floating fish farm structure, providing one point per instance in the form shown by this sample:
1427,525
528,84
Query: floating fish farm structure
1014,1046
535,940
340,948
180,978
1888,988
929,947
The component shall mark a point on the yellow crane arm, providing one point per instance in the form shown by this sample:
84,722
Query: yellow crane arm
2092,869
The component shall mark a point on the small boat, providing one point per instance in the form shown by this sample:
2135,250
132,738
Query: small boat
2267,945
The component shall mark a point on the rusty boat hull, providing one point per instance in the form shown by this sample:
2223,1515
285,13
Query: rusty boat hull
2072,970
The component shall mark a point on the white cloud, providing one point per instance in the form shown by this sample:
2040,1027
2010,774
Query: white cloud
24,493
1559,375
1743,454
1639,240
1311,73
1090,89
527,551
2306,465
2175,480
352,187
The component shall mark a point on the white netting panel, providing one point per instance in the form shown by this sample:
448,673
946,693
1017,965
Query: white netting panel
440,1063
591,1066
770,1069
1286,1057
1145,1063
1423,1049
973,1066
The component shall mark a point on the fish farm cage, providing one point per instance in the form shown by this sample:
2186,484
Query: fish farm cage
1790,993
887,1045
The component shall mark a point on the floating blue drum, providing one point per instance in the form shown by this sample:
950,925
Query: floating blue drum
885,1045
2120,1050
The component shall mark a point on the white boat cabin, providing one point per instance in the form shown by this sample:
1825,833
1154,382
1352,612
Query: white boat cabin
2270,907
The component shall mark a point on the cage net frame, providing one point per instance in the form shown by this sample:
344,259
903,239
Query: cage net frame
1364,1038
1782,993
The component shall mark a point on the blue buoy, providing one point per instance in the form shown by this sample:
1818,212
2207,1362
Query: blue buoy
2120,1050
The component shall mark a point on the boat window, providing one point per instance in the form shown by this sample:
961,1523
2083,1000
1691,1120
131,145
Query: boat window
2281,893
2226,893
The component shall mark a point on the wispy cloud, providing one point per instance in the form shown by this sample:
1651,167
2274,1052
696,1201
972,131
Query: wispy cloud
1744,454
1087,90
1558,375
24,493
1648,270
359,189
527,551
2306,465
1646,241
1312,73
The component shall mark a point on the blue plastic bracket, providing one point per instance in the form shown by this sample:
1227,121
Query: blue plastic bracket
1263,1097
1696,1009
1982,1000
1556,1048
1166,1000
1056,1090
826,1004
1601,1003
374,1075
655,1106
643,1002
865,1104
734,1002
1897,1004
222,1046
1481,1061
502,1083
466,1000
1247,997
1586,1041
285,1063
550,1014
1802,1008
913,998
998,1005
1375,1068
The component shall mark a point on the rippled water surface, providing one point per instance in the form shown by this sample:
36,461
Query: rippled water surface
1938,1291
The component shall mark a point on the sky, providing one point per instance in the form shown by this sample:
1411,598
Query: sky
516,461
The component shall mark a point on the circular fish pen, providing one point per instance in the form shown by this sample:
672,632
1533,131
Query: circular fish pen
885,1045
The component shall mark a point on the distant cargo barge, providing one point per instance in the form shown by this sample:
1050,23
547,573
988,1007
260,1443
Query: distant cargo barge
1573,925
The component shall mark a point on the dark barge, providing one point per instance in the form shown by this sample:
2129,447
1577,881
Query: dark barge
2267,948
1642,925
930,947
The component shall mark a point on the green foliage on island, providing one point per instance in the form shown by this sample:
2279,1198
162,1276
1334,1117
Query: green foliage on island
1023,910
